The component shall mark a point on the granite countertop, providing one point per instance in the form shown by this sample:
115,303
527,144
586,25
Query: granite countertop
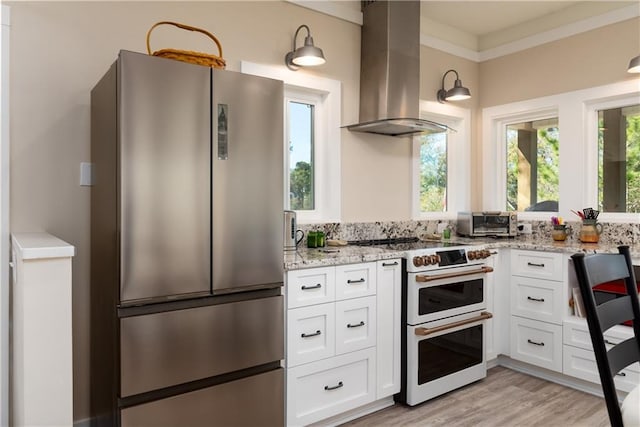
336,255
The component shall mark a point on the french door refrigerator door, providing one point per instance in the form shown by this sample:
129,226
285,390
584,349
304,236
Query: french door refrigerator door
247,173
164,161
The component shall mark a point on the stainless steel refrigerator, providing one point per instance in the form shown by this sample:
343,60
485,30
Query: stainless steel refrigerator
186,246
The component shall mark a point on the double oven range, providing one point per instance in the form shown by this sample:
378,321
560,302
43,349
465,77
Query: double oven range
444,315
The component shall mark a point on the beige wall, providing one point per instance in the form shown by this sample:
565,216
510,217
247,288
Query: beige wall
594,58
60,50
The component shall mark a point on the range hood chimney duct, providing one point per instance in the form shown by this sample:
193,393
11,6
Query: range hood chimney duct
390,70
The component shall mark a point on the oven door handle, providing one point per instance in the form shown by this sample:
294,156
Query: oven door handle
428,331
422,278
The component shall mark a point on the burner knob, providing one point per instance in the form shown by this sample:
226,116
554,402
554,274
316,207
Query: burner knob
438,259
425,260
417,261
432,259
486,253
471,255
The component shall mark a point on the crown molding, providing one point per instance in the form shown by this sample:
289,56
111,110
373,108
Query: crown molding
559,33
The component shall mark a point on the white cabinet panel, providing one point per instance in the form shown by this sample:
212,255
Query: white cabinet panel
537,299
322,389
536,264
538,343
355,324
581,363
310,333
313,286
389,295
355,280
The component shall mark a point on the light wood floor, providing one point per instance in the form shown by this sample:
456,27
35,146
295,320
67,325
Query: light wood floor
504,398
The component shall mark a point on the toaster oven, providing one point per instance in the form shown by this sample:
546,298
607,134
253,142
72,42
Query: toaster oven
487,224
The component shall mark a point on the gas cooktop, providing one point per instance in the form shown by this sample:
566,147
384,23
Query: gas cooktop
404,243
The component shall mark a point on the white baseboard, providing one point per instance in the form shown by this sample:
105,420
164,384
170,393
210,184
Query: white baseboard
356,413
551,376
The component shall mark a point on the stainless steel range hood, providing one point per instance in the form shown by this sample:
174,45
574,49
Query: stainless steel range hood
390,70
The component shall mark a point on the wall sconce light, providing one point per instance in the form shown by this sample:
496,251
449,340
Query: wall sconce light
634,65
305,56
456,93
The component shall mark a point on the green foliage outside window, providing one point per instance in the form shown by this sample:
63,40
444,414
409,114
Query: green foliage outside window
433,173
629,191
301,187
546,165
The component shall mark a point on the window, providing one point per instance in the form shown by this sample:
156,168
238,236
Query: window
533,165
599,154
300,119
433,172
619,159
441,163
311,142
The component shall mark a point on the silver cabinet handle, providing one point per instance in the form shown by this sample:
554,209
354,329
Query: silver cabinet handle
533,264
535,299
621,374
357,325
306,288
389,264
316,333
355,281
334,387
609,342
541,344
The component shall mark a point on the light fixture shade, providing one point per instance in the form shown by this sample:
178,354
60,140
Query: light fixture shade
457,92
305,56
308,55
634,65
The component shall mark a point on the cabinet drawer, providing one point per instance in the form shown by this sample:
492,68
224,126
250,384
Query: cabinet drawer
310,333
217,405
313,286
156,351
355,280
355,324
581,363
541,265
537,299
576,333
535,342
326,388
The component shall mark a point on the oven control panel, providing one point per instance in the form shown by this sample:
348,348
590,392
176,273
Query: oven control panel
450,257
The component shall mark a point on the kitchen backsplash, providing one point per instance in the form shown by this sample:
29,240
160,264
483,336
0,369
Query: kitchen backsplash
613,233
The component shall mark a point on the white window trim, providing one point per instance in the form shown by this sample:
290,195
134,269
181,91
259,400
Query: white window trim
327,138
4,213
578,147
458,160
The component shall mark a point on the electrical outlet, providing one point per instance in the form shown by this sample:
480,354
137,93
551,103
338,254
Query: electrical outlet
86,174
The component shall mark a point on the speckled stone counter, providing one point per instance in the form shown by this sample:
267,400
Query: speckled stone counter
336,255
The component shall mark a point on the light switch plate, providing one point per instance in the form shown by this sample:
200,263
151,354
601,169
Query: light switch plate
86,174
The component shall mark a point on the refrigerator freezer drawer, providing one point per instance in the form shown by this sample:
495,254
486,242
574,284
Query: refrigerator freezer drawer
165,349
253,401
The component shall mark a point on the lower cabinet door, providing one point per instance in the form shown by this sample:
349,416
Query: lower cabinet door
355,324
252,401
581,363
536,342
322,389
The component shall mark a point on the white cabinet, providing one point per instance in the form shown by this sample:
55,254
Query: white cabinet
535,342
343,338
41,351
579,360
389,295
330,386
537,289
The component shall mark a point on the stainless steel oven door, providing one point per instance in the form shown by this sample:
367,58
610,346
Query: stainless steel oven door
445,293
445,355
